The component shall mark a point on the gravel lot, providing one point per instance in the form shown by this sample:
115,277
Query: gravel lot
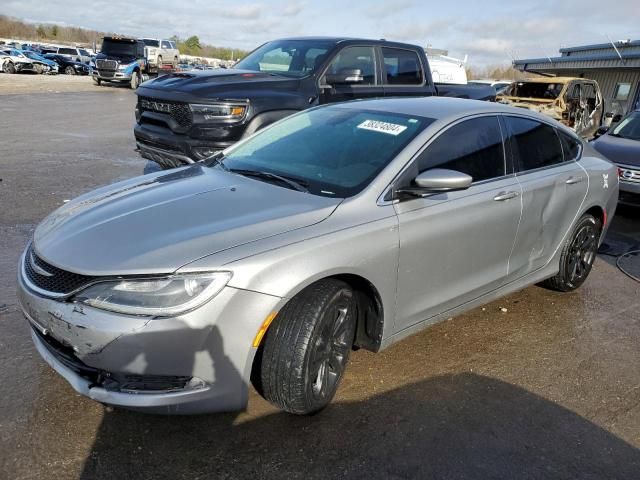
548,389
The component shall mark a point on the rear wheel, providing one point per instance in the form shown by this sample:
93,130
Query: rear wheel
159,62
38,68
175,62
307,347
69,70
578,255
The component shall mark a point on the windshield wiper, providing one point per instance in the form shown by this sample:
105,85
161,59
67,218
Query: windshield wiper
215,159
299,185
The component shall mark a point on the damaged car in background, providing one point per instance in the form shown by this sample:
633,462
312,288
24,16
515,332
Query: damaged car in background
12,61
574,102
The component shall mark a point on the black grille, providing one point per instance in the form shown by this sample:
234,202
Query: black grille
107,64
67,357
179,111
59,281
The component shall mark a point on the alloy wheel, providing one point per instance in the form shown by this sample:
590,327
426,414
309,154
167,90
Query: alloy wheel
582,253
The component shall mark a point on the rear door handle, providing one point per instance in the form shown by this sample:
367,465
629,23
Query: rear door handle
502,196
573,180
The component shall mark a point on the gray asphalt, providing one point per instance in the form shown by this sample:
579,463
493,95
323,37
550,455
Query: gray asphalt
548,389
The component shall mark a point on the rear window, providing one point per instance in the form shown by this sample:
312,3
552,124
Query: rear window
534,144
402,67
571,146
151,43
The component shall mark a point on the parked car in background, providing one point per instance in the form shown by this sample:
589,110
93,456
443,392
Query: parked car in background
499,85
161,52
39,61
14,62
68,67
75,54
575,102
621,144
171,292
188,116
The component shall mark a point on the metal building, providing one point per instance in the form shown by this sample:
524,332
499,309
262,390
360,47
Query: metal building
615,66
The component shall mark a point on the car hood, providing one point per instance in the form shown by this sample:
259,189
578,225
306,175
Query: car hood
160,222
619,150
202,84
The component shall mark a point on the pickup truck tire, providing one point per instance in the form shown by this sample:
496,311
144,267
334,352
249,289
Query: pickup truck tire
578,255
97,81
307,347
159,61
175,62
69,70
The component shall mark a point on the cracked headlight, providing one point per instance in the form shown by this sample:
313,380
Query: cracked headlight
160,297
218,112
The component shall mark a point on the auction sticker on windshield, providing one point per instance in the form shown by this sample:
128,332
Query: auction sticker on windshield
383,127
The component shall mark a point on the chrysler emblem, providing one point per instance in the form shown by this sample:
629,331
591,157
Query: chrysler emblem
37,268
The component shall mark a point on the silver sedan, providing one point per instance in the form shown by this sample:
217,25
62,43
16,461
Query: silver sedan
345,226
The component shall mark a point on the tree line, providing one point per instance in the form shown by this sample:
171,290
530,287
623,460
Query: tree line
52,33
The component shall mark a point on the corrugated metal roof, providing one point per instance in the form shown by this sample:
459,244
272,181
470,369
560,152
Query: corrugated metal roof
601,46
588,58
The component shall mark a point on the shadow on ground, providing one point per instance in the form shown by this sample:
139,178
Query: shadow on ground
452,426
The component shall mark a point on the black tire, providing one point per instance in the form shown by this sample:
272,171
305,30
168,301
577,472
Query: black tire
307,348
175,63
578,255
135,80
97,81
69,70
9,67
159,61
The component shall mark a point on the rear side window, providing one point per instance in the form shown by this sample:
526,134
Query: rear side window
67,51
473,147
570,146
534,144
356,58
402,67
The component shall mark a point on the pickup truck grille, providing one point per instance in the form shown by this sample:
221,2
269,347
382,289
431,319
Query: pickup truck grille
179,111
106,64
49,278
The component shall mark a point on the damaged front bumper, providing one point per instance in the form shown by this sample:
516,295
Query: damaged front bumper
194,363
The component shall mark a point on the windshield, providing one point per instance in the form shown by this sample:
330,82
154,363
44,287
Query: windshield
332,151
109,47
294,58
629,127
542,90
151,43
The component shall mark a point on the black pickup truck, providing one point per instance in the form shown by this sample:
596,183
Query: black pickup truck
186,117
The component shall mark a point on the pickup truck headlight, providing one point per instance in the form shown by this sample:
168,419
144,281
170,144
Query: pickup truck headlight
161,296
218,112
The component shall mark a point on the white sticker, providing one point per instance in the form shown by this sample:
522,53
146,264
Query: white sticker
382,127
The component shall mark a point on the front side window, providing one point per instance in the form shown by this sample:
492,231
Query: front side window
355,58
333,151
534,144
622,91
67,51
165,44
150,43
84,53
473,147
402,67
291,58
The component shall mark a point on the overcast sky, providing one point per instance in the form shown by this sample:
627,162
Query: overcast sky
489,31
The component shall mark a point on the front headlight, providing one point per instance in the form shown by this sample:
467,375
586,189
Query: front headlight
218,112
122,67
160,297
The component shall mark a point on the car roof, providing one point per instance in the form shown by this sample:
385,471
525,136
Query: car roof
549,80
379,41
439,108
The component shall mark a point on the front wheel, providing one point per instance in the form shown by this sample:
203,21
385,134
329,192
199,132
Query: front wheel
159,61
69,70
578,255
9,67
307,347
135,80
97,81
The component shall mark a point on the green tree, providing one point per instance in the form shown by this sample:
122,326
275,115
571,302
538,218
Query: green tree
193,44
54,31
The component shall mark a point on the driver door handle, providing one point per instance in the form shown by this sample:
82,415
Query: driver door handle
573,180
502,196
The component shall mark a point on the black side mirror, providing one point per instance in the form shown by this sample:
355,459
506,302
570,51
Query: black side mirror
346,76
601,131
437,180
616,118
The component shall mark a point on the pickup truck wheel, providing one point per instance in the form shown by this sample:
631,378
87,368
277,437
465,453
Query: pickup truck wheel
135,80
69,70
578,255
159,61
307,347
175,62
